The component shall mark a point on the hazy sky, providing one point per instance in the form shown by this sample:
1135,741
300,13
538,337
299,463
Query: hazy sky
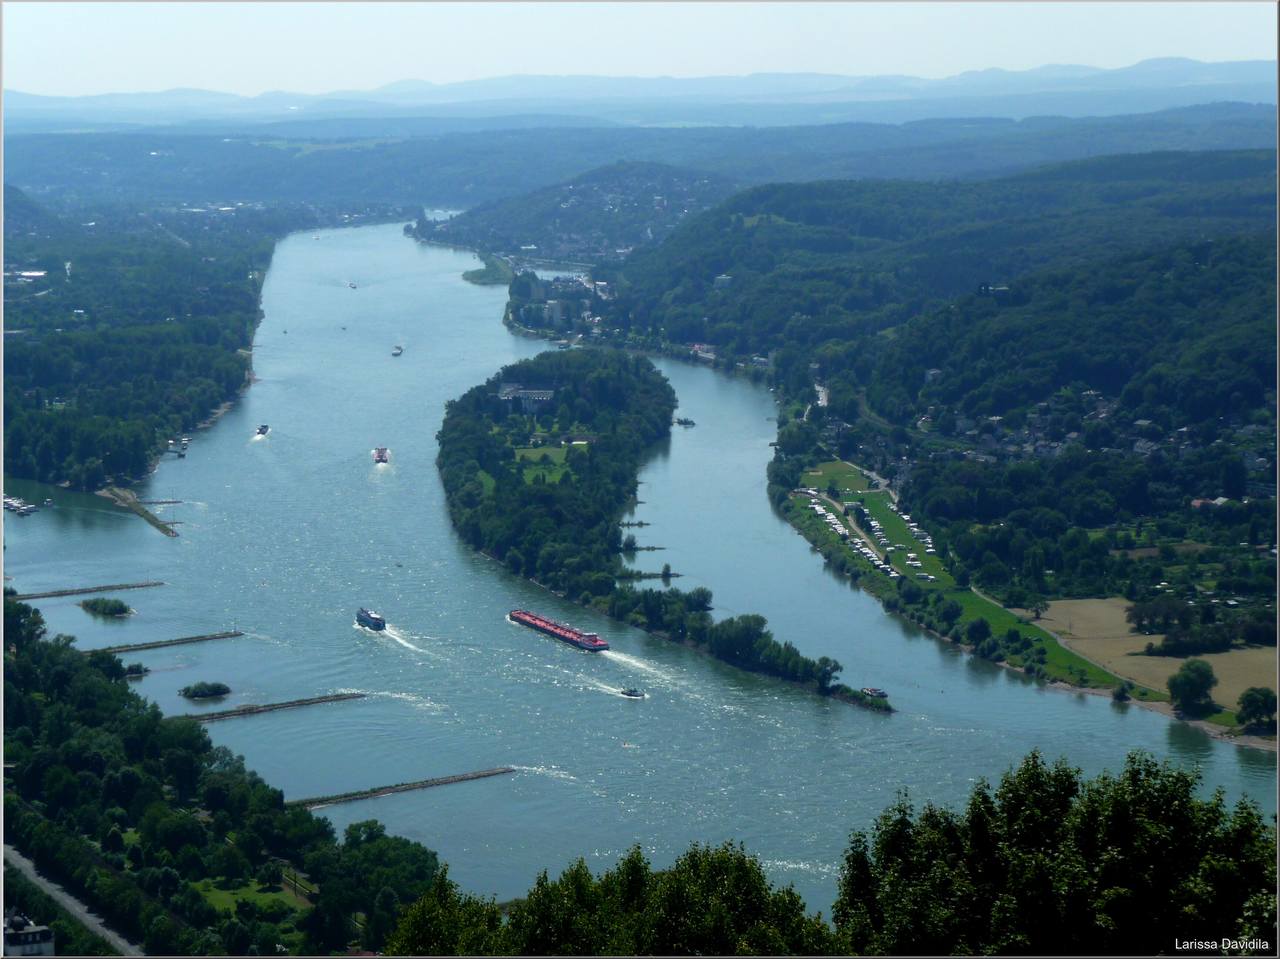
248,48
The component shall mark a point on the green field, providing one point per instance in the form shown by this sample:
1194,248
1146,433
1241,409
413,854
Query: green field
221,898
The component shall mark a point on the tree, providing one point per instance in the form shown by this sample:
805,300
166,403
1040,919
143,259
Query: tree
977,631
1257,707
1189,686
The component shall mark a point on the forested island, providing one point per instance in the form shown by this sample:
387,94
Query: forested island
204,690
107,608
539,465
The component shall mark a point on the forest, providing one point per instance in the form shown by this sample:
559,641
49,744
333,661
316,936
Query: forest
151,825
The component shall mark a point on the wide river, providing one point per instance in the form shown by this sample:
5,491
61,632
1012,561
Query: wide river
283,537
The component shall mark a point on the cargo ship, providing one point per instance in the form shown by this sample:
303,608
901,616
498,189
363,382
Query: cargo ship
369,619
574,637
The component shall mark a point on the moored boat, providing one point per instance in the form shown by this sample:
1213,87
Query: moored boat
874,692
568,634
370,620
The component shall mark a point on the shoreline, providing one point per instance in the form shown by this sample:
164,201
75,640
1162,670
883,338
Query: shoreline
1164,708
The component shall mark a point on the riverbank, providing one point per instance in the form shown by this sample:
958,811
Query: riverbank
1058,670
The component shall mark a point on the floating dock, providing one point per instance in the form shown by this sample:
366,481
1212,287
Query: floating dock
112,588
161,643
270,707
398,788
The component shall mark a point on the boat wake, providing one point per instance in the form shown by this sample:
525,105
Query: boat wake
256,437
395,634
635,662
590,682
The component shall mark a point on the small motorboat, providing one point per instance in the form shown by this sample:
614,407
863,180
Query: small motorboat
397,351
370,620
263,430
631,693
381,455
48,502
351,284
874,692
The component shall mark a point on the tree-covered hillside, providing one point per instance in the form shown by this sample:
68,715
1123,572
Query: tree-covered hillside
809,263
600,215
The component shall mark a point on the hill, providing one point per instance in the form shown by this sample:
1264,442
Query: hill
465,169
600,215
807,263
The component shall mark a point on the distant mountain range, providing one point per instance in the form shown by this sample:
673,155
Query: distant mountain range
762,99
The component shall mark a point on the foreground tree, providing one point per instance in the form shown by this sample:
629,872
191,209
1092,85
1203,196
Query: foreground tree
1189,686
1051,863
1257,707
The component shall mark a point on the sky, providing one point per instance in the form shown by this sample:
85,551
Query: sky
73,49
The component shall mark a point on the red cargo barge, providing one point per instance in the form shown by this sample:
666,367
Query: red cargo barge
574,637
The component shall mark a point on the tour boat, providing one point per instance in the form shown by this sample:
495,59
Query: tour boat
370,620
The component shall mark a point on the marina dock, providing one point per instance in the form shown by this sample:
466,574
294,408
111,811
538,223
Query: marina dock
398,788
112,588
270,707
161,643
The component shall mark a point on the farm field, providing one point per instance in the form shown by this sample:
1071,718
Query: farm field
1097,628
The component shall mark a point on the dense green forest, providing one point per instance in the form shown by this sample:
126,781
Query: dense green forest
152,826
541,481
464,169
812,263
1047,863
599,215
130,328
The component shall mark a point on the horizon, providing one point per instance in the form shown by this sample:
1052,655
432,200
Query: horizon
312,49
641,77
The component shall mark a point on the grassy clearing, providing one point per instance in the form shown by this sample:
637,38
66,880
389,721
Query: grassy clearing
250,891
846,478
552,454
495,272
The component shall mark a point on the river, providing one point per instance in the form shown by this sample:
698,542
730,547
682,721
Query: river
284,536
